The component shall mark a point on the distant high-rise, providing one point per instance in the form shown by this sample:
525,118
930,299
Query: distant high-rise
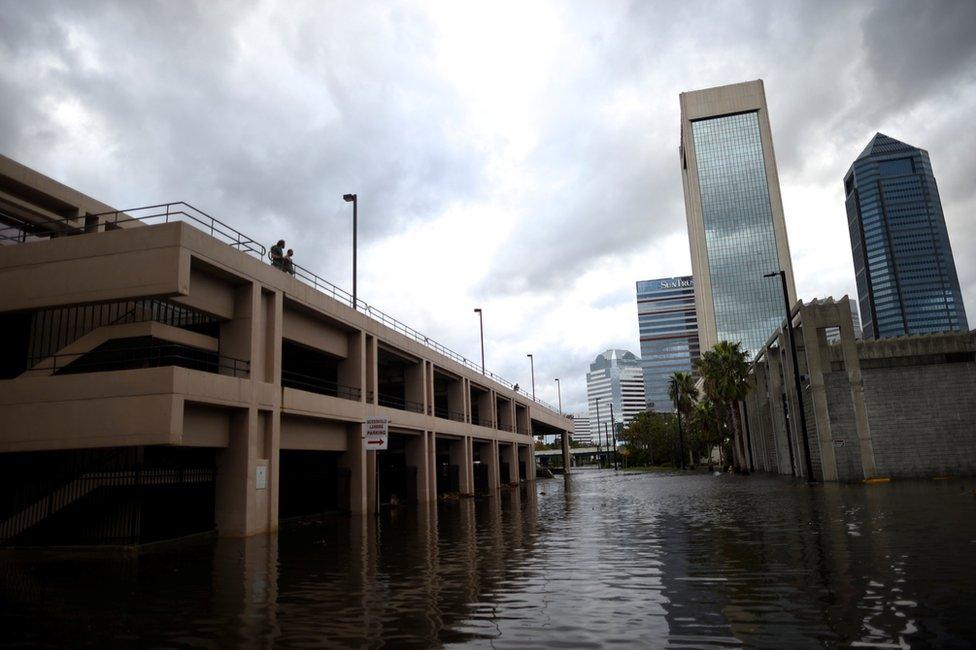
581,430
833,333
668,334
906,275
735,214
615,377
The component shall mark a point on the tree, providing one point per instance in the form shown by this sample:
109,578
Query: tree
706,430
683,393
650,439
725,371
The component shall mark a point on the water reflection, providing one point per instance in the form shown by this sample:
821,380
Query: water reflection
592,560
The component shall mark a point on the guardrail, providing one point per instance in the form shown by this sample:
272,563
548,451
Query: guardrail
152,214
131,357
393,401
182,211
291,379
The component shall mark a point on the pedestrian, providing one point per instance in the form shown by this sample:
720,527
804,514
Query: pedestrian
278,254
288,264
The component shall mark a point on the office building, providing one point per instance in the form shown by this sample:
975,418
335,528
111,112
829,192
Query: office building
735,214
581,431
906,275
616,378
668,335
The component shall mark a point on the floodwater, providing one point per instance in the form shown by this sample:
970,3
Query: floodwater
596,560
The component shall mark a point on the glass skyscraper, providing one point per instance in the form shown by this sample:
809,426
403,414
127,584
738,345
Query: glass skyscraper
735,214
668,335
906,275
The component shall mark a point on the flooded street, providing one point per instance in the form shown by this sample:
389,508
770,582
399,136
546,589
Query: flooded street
652,560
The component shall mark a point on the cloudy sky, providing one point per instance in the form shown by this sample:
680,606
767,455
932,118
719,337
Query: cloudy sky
520,157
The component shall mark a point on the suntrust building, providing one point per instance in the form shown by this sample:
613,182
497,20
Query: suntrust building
160,378
668,334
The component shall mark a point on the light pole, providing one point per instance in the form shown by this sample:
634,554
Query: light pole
481,324
532,366
355,227
796,372
559,395
599,459
613,430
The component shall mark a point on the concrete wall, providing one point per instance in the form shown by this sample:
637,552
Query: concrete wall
900,408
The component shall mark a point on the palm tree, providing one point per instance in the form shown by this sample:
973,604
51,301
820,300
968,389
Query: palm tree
704,422
725,371
682,391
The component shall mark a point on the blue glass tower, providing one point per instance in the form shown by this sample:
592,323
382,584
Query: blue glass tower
906,275
668,335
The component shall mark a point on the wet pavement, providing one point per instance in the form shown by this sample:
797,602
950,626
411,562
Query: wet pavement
596,560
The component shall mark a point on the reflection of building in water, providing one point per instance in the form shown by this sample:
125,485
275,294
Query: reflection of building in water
900,407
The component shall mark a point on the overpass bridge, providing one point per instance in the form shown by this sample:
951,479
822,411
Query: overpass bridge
159,377
578,455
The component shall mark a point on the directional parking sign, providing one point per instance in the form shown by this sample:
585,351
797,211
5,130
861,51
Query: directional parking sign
375,433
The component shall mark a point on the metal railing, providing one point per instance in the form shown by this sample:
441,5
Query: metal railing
131,357
150,214
182,211
397,402
291,379
447,414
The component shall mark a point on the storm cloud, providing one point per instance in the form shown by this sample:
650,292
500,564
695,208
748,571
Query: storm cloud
519,157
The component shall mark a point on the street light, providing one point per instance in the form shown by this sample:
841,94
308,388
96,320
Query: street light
355,226
796,372
559,394
613,429
599,459
481,324
532,365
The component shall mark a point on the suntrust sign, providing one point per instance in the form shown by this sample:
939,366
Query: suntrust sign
676,283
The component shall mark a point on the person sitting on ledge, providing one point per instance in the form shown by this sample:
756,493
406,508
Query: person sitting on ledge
287,264
278,254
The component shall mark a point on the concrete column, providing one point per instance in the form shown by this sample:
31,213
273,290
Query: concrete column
247,482
813,337
461,455
432,465
352,371
456,402
372,486
417,456
567,456
414,384
371,386
526,455
242,506
355,460
430,389
511,451
853,365
488,451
